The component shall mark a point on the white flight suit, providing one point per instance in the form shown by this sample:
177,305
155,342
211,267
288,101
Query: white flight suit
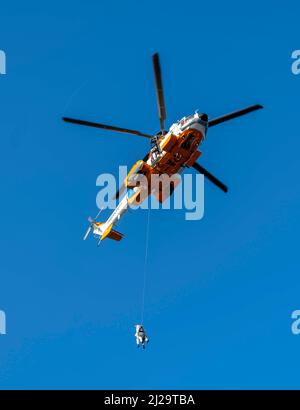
141,337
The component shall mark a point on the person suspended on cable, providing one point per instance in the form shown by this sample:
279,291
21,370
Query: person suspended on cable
141,336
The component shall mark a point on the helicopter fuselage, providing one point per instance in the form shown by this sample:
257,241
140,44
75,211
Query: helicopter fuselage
178,148
171,153
174,151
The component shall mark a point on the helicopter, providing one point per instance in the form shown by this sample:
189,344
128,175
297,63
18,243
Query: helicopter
171,152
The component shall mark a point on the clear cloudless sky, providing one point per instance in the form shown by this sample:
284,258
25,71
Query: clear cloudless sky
220,291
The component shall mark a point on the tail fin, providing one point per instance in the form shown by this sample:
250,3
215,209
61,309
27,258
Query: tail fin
112,234
115,235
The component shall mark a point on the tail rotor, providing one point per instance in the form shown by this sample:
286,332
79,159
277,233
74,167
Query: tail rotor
92,222
87,232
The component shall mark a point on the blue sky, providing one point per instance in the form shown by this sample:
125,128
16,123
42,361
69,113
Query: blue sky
220,291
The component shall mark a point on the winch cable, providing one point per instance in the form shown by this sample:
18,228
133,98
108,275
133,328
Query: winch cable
146,262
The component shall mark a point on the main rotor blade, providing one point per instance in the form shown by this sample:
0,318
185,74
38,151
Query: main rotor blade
87,233
234,114
106,127
159,91
210,177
